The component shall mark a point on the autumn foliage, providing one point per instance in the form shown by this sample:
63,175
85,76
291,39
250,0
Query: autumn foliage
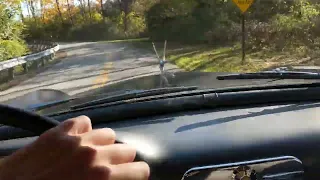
275,24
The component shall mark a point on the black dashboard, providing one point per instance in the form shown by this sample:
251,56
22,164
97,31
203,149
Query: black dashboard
174,143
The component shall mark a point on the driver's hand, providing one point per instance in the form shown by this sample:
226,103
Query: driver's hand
73,151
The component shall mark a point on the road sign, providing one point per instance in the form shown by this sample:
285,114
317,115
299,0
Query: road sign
243,4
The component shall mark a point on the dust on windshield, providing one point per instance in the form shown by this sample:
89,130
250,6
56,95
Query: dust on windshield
76,46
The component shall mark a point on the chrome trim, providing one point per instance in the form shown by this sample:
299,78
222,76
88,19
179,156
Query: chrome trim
250,162
283,174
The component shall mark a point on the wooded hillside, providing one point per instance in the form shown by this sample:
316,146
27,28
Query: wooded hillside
272,24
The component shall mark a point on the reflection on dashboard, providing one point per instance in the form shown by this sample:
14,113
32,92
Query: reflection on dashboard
283,168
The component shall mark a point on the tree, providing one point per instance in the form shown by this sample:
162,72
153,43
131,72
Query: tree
124,6
82,8
32,8
89,9
42,10
69,12
59,10
11,44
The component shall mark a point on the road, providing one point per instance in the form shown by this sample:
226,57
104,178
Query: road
89,66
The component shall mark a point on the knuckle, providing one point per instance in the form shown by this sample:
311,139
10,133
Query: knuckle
47,136
100,173
70,142
67,125
84,119
73,125
110,133
88,155
131,149
122,151
145,170
65,143
51,137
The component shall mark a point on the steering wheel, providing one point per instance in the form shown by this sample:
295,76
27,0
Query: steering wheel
25,120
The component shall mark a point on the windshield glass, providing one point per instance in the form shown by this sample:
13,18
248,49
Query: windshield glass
53,50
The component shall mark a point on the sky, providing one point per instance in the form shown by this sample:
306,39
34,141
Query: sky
25,7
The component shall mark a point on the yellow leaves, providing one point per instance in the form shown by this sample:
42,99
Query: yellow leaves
11,3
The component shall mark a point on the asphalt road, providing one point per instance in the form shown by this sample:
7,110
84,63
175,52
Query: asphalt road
89,66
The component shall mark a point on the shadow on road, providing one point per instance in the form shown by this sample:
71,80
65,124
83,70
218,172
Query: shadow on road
93,62
77,87
86,65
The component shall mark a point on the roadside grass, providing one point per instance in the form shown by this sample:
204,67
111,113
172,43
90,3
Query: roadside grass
228,58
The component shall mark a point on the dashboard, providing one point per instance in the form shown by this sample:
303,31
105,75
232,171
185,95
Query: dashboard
274,141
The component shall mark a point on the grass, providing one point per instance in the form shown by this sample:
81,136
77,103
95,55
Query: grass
228,58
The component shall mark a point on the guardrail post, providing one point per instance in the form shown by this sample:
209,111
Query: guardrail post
48,58
52,56
42,61
11,73
35,64
30,61
25,67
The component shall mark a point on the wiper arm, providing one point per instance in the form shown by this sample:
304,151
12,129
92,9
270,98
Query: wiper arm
271,75
135,94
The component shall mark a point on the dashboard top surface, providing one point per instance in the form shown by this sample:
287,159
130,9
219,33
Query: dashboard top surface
172,144
185,140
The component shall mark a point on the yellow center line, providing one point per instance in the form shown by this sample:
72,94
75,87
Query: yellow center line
103,78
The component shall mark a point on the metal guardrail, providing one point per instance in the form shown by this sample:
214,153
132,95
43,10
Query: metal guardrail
42,56
24,59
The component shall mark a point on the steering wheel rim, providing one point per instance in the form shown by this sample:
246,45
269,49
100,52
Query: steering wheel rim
25,120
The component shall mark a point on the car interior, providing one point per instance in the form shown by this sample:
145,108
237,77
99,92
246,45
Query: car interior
262,132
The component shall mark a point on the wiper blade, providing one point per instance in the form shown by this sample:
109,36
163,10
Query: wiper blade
199,99
38,107
135,94
271,75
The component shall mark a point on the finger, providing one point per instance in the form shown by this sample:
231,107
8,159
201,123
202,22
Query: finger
100,137
116,154
130,171
75,126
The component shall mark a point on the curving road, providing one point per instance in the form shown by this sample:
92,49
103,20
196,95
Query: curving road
89,66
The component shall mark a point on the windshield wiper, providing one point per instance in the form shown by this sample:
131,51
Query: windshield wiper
271,75
135,94
41,106
197,100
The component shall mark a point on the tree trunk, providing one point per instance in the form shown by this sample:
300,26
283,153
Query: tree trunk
42,10
69,12
89,9
32,9
101,9
21,13
120,4
125,22
126,9
82,9
28,8
59,11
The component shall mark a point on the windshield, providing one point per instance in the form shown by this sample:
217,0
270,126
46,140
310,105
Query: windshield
53,50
